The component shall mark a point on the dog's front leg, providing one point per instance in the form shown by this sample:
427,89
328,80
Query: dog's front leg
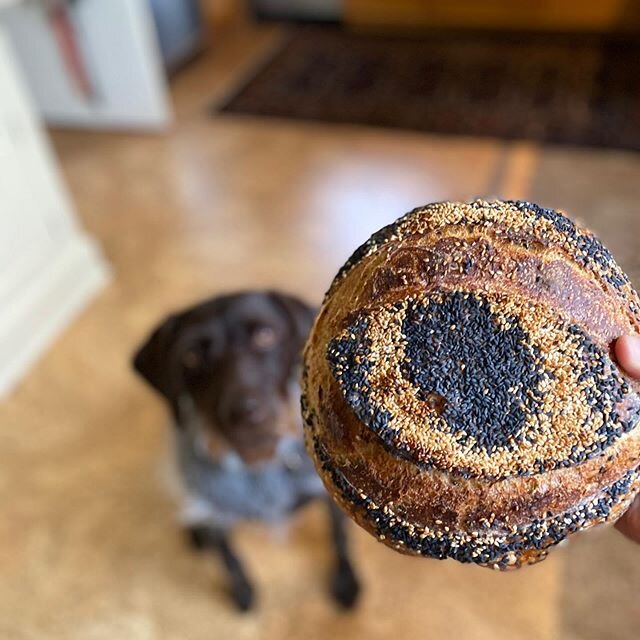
344,582
204,537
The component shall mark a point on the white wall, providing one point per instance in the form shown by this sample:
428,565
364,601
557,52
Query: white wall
49,269
120,52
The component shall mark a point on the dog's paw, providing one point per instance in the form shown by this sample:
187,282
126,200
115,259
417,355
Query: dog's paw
242,594
345,586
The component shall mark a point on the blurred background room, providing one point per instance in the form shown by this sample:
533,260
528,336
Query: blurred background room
156,152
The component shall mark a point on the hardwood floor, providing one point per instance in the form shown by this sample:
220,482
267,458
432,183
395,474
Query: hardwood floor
88,544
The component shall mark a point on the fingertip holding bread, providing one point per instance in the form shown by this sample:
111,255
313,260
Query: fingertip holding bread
460,394
628,354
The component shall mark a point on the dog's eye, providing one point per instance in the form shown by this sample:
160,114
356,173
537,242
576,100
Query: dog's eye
196,356
191,359
263,338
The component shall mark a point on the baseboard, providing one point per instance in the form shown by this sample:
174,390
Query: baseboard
43,307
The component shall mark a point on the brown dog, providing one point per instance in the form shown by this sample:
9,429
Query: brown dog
228,369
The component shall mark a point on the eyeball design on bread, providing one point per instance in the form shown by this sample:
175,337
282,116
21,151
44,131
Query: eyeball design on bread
459,395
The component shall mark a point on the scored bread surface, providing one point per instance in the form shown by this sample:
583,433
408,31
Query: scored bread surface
459,394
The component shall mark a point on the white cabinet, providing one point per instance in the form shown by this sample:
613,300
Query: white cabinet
48,267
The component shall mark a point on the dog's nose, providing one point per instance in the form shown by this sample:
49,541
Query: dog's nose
248,409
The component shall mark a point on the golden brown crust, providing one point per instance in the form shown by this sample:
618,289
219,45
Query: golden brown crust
408,458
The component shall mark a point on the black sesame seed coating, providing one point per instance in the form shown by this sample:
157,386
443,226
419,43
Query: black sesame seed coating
348,358
486,376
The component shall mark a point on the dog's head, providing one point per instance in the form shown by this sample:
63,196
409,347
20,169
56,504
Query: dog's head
232,361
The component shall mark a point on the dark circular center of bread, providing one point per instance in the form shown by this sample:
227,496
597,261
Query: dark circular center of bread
480,376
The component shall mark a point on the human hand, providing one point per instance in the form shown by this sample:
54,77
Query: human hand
627,351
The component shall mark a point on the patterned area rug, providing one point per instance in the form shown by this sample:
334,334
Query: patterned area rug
581,90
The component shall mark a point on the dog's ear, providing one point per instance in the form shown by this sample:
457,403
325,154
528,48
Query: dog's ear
154,363
301,315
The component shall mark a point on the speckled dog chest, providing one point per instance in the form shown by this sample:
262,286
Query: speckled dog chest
460,398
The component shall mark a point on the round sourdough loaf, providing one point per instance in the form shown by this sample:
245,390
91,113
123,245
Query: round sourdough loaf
459,393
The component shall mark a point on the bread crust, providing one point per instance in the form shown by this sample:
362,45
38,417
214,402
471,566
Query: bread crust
390,442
